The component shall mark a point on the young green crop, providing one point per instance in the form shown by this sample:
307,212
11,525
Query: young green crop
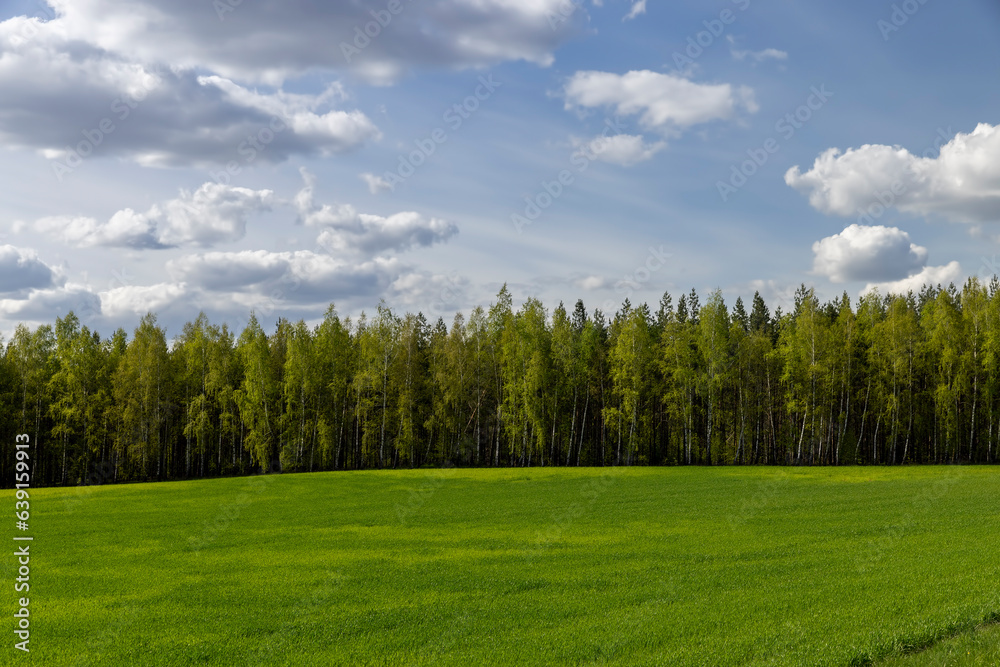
678,566
979,648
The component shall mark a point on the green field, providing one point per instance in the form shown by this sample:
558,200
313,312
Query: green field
980,648
671,566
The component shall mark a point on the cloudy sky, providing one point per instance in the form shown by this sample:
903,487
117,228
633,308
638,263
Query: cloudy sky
227,155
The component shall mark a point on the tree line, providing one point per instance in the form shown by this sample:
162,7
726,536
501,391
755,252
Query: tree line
895,380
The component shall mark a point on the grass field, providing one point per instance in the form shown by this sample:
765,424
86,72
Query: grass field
675,566
979,648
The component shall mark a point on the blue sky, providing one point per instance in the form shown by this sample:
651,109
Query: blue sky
642,126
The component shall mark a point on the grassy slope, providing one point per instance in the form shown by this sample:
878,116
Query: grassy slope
628,566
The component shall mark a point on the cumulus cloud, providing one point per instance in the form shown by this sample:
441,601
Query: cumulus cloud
883,256
346,230
232,284
137,300
666,103
312,214
929,275
270,42
301,276
213,213
94,79
21,271
71,99
374,234
622,149
33,292
960,184
41,305
875,253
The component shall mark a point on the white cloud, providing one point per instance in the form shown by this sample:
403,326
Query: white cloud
136,300
314,215
271,42
71,99
44,305
376,184
332,131
759,56
622,149
875,253
21,271
301,276
638,7
960,184
930,275
225,271
664,102
231,284
755,56
125,229
591,283
213,213
350,231
374,234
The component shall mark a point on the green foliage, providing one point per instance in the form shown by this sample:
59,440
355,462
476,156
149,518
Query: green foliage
142,387
257,395
898,380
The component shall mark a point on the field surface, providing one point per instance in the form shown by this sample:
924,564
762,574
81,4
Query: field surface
980,648
646,566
